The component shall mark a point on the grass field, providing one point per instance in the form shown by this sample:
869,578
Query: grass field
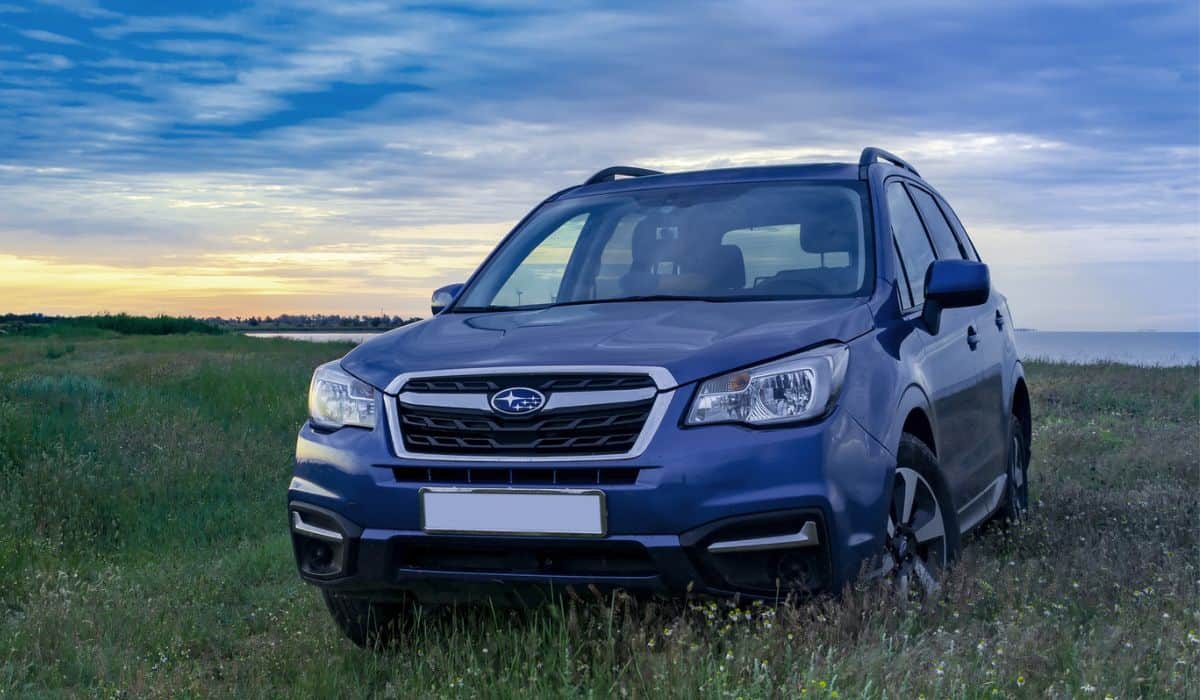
143,552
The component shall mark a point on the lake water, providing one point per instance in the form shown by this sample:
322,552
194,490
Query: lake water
315,337
1142,348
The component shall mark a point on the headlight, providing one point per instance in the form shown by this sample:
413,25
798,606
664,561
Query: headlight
795,388
336,399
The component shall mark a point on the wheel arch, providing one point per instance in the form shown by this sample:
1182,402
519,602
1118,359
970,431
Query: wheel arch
914,415
1023,410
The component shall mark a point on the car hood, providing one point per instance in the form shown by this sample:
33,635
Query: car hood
691,339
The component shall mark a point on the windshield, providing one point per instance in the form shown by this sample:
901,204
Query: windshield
711,243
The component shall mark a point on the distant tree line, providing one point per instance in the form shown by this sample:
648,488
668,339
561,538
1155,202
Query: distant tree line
42,324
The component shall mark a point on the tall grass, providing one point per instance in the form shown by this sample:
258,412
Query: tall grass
143,553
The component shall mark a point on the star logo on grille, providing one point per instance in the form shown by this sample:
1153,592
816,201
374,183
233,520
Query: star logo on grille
518,401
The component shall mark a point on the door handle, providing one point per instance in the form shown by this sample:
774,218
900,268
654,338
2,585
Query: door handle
972,337
999,320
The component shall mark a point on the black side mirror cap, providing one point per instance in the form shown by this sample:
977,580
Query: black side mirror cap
443,297
953,284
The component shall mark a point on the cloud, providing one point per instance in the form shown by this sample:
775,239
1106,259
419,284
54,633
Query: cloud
248,137
48,37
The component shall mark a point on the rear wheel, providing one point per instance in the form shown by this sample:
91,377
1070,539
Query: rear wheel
922,530
1015,507
369,624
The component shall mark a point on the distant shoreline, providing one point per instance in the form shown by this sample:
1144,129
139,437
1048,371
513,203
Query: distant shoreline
350,329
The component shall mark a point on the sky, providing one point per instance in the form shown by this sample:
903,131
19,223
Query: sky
349,156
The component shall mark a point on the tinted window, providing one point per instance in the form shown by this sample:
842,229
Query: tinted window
717,242
939,229
959,230
915,252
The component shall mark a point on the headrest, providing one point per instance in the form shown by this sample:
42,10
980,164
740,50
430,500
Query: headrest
729,268
644,245
827,237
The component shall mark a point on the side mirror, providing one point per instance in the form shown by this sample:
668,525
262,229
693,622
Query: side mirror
443,297
952,284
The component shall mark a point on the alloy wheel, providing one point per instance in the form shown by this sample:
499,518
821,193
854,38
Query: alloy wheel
915,551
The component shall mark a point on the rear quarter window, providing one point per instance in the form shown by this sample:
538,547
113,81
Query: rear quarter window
968,244
948,246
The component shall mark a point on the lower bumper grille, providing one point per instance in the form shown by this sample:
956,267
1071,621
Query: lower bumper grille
583,559
608,476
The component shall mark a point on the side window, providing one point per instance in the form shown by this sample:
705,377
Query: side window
916,254
959,231
948,247
537,279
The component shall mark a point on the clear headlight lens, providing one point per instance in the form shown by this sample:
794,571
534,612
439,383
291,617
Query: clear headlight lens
335,399
794,388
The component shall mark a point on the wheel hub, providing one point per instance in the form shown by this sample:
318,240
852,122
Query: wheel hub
903,544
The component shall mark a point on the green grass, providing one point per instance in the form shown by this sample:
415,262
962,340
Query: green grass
144,553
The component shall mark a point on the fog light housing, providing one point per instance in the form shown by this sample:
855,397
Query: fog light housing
321,542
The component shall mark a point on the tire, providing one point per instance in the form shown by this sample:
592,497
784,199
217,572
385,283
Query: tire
1015,506
369,624
921,538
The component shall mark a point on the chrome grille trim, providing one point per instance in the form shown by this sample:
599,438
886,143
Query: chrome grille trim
663,379
565,399
475,402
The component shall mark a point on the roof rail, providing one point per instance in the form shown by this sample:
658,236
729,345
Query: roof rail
610,174
872,154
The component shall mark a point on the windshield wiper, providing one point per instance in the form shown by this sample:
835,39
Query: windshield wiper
493,308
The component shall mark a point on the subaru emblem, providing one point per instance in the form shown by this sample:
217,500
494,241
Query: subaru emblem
518,401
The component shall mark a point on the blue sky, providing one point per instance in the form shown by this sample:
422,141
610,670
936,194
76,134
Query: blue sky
264,157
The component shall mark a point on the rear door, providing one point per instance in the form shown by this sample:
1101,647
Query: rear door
961,370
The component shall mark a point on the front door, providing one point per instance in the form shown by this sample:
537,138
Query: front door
962,361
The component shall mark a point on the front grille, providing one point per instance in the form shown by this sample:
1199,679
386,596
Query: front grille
598,430
450,415
521,476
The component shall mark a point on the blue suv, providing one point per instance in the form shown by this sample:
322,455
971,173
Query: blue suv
759,382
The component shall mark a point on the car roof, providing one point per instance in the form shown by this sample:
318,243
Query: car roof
760,173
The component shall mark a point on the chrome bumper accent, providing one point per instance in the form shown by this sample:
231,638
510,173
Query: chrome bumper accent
320,533
806,537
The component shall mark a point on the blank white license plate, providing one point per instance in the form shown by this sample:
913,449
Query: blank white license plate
574,512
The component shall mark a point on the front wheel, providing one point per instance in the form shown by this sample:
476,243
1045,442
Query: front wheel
369,624
922,530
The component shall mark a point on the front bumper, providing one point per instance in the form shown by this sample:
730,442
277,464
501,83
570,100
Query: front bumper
694,487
